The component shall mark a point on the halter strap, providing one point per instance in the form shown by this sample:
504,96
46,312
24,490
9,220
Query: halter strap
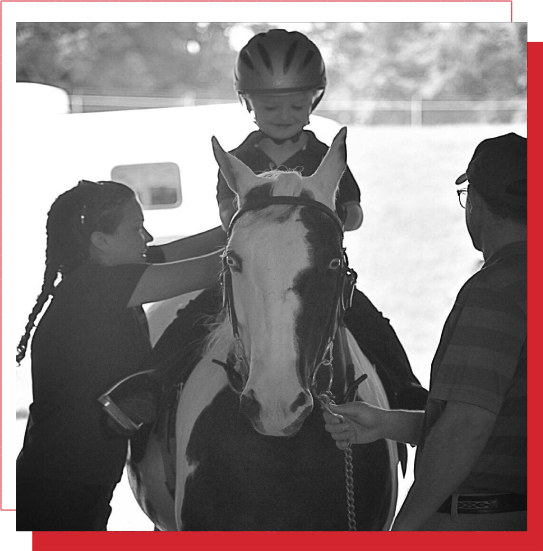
263,202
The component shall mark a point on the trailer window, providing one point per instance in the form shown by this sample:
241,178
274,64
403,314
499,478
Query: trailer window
157,185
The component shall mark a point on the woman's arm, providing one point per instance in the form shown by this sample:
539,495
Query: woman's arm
195,245
162,281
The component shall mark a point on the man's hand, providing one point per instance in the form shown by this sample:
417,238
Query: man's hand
362,424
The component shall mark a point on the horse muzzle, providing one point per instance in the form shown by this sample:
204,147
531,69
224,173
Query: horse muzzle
279,417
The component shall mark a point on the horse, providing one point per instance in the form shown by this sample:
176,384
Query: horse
242,445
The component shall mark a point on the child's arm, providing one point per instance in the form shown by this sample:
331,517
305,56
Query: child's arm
353,216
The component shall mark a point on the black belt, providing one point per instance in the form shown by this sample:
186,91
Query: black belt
485,503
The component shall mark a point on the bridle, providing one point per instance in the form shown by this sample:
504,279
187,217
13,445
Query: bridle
345,283
343,295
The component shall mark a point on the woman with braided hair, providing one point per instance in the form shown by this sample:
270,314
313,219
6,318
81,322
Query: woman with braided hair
93,333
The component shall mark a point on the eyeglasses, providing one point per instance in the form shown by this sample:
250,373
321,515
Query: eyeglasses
462,197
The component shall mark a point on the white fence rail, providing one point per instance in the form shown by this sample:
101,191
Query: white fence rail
416,111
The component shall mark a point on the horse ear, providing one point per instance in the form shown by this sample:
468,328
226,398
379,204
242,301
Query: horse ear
235,172
334,163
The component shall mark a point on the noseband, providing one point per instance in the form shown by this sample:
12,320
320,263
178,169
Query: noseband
342,298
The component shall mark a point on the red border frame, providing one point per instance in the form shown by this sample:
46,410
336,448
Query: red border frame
61,10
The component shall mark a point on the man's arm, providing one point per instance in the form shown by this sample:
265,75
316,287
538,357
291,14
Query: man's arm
450,453
363,423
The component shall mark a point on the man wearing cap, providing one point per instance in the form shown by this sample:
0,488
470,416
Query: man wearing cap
470,468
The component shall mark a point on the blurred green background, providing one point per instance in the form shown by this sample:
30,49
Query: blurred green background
378,73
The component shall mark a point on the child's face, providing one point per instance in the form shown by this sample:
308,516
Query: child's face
127,245
282,117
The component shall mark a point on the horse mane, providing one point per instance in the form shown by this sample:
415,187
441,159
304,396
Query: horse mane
220,331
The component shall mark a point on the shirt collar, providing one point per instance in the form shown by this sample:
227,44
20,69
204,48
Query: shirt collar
516,248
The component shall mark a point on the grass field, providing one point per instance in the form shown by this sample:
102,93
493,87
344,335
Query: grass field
412,253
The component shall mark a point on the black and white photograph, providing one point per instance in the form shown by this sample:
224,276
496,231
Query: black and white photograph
275,276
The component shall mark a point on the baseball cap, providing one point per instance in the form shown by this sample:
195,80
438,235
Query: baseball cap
498,169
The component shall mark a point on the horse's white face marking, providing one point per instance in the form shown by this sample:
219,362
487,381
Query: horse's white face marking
266,307
266,253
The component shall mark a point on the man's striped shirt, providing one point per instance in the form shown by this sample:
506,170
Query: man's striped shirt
482,360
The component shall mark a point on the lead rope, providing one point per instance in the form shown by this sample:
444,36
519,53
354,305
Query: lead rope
325,400
349,488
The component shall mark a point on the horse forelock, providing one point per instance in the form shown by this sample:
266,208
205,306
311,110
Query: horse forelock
279,183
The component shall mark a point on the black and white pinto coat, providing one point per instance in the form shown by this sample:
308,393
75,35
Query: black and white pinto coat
258,457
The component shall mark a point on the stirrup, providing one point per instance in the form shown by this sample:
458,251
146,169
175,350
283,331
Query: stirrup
116,394
118,415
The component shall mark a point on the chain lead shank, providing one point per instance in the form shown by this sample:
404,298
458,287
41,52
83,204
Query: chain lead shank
325,400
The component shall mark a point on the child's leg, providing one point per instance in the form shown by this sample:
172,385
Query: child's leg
134,401
179,347
378,340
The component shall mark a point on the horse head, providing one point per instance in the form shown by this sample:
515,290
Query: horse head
284,271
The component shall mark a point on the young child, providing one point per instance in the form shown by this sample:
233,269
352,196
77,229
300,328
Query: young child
280,77
93,333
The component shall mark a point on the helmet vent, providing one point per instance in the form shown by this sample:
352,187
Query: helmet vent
310,55
289,56
265,57
246,59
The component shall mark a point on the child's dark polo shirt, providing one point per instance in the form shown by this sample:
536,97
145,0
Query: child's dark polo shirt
307,160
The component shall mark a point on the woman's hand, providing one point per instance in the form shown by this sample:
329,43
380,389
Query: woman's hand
362,424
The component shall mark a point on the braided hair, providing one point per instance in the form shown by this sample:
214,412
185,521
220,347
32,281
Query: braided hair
73,217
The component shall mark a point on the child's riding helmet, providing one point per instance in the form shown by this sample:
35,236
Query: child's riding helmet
279,62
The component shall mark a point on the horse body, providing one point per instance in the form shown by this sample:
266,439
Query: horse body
250,450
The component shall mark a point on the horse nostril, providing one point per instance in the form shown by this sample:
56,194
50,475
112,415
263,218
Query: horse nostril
303,400
249,405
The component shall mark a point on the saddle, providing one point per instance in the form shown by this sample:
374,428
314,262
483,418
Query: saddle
164,420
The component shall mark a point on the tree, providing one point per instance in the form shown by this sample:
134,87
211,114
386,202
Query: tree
128,58
375,61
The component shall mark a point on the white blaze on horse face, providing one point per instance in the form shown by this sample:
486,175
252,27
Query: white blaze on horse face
272,255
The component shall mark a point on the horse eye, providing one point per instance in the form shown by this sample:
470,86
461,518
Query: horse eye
335,264
232,262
